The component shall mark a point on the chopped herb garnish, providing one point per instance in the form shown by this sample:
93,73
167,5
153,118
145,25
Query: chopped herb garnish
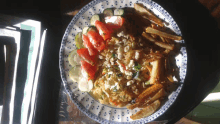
116,67
113,55
109,76
104,71
102,96
119,75
134,74
114,89
147,83
137,66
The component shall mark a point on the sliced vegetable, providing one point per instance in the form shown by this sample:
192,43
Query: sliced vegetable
137,66
78,40
123,66
94,19
112,26
85,85
119,12
84,53
89,69
74,58
103,30
75,73
84,31
88,44
117,20
108,12
91,28
96,40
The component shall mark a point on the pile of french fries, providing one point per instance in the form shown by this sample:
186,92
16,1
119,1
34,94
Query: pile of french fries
150,99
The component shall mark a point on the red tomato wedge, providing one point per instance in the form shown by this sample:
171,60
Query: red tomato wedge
89,69
112,26
103,30
88,44
117,20
96,40
84,53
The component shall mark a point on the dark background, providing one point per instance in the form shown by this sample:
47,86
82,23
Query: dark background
199,29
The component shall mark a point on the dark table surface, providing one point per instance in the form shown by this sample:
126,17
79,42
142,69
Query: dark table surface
199,29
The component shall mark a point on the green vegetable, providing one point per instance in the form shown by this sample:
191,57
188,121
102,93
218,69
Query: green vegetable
79,41
137,66
75,73
84,31
108,12
74,58
116,67
147,83
119,75
134,74
137,75
91,28
93,19
113,55
119,12
115,89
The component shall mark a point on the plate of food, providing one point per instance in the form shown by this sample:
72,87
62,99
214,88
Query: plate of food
123,61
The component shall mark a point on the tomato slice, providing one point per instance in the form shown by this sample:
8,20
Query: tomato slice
112,26
88,44
96,40
103,30
89,69
84,53
117,20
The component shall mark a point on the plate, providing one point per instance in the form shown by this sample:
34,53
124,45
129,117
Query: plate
86,103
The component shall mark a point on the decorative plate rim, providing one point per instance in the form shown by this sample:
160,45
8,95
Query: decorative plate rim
73,97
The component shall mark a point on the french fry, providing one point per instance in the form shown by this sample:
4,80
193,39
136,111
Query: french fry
162,34
146,111
133,106
157,71
169,40
163,39
161,44
149,68
153,35
147,14
164,45
158,95
149,91
170,78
